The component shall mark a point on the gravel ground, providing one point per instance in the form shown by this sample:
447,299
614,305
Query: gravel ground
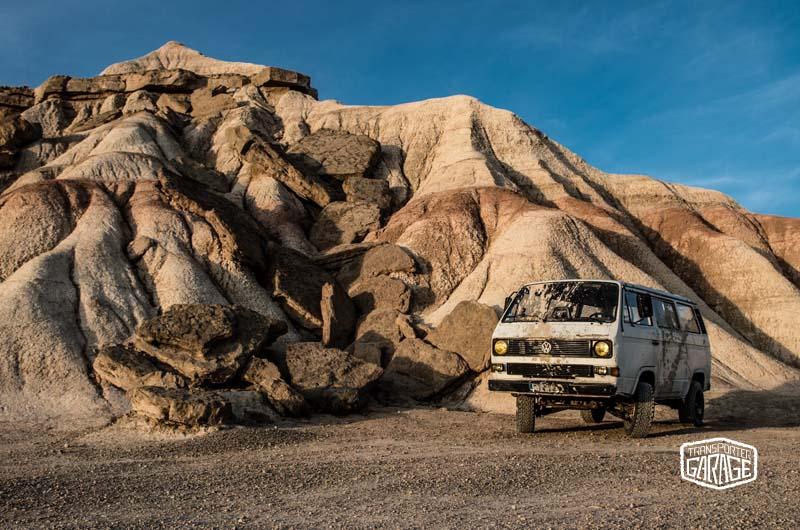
400,468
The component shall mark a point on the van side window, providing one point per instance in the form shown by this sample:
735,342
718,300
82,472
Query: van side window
666,317
633,301
687,319
700,321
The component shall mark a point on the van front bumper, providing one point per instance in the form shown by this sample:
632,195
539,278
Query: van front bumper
564,389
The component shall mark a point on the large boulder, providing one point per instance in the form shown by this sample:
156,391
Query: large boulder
381,292
422,371
126,368
387,259
377,260
298,284
340,223
379,329
181,406
373,191
248,406
267,378
336,154
467,330
207,343
330,379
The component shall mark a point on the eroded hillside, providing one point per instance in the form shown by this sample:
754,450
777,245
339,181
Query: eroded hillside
179,179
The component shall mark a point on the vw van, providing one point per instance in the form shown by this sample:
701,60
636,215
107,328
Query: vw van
601,346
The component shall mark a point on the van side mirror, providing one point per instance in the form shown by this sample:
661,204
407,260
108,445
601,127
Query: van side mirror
644,304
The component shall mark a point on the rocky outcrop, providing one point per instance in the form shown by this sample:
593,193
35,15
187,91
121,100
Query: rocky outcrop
267,378
126,368
204,343
336,154
331,380
181,406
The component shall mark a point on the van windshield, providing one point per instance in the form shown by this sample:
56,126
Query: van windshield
565,302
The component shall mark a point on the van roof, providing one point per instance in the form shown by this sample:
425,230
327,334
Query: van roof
636,286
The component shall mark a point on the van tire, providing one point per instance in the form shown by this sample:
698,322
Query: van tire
593,415
526,414
637,425
692,409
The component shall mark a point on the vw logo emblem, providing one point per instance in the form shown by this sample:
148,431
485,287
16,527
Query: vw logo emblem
546,347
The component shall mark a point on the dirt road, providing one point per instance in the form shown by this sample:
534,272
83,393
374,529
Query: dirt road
401,468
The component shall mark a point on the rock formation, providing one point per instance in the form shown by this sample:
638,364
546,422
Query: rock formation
178,181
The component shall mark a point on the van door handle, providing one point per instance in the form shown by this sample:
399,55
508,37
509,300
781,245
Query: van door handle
655,342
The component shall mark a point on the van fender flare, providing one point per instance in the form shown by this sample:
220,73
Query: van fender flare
643,370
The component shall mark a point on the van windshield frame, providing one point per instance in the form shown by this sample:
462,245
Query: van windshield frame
565,301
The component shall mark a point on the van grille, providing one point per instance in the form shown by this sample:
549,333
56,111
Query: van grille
558,347
563,371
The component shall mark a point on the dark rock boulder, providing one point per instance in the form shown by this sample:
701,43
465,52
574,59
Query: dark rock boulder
387,259
331,380
126,368
207,343
373,191
297,282
248,406
336,154
467,330
381,292
267,378
340,223
181,406
422,371
380,329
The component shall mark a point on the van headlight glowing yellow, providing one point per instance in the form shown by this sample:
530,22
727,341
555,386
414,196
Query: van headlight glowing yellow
602,348
500,347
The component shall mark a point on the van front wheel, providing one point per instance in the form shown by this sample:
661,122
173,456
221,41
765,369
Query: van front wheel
692,409
637,422
526,414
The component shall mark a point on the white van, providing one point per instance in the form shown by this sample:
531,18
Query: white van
601,346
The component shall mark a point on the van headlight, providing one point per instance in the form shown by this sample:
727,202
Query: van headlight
602,348
500,347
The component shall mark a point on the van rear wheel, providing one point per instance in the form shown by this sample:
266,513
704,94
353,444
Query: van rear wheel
637,423
526,414
692,409
593,415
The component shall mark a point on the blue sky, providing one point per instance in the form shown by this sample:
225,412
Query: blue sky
705,93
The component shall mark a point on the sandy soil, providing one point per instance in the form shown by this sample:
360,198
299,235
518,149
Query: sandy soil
401,468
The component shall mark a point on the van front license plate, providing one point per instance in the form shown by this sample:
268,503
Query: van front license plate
547,388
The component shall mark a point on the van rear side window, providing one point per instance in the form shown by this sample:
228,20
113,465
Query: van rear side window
687,319
666,317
